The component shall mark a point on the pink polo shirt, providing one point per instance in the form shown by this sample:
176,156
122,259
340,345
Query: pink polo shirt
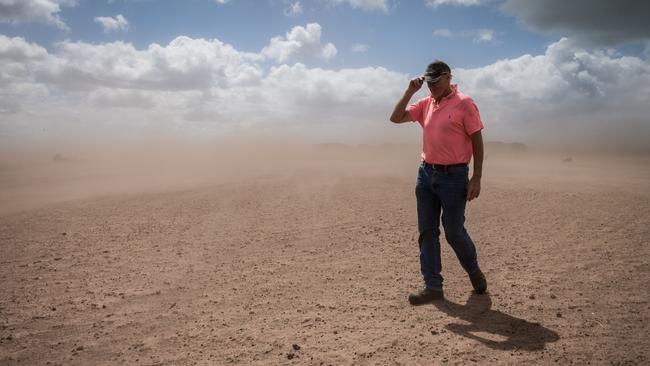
447,127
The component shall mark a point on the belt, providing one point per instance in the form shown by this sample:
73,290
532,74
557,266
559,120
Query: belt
444,167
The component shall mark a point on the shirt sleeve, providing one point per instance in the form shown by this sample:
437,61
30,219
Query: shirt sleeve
472,120
416,110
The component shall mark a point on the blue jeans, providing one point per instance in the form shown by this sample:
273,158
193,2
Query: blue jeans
443,191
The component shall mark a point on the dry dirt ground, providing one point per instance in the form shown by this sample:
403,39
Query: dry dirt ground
309,261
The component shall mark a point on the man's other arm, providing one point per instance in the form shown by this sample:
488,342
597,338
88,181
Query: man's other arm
474,188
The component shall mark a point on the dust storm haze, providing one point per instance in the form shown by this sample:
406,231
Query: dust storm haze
35,175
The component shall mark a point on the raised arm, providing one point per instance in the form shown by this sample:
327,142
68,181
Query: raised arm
400,115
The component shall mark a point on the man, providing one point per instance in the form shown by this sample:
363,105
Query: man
451,135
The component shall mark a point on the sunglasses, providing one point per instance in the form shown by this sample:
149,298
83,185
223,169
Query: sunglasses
430,80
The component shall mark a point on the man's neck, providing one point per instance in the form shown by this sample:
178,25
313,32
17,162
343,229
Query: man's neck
444,94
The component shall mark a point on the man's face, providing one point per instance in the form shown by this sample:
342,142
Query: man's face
438,87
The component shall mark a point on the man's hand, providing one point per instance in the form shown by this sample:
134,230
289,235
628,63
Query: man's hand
415,84
474,188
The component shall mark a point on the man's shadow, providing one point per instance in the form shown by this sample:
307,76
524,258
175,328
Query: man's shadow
518,333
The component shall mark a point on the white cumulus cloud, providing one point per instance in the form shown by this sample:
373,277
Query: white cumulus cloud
299,43
568,94
111,24
34,11
195,84
17,49
183,64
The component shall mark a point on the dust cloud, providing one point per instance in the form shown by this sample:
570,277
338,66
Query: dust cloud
31,177
49,173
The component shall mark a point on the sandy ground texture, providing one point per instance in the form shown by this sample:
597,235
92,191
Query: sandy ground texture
178,256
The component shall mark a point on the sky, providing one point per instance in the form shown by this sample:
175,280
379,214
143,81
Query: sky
548,71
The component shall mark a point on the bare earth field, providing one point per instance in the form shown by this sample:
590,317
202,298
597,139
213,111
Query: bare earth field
175,255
